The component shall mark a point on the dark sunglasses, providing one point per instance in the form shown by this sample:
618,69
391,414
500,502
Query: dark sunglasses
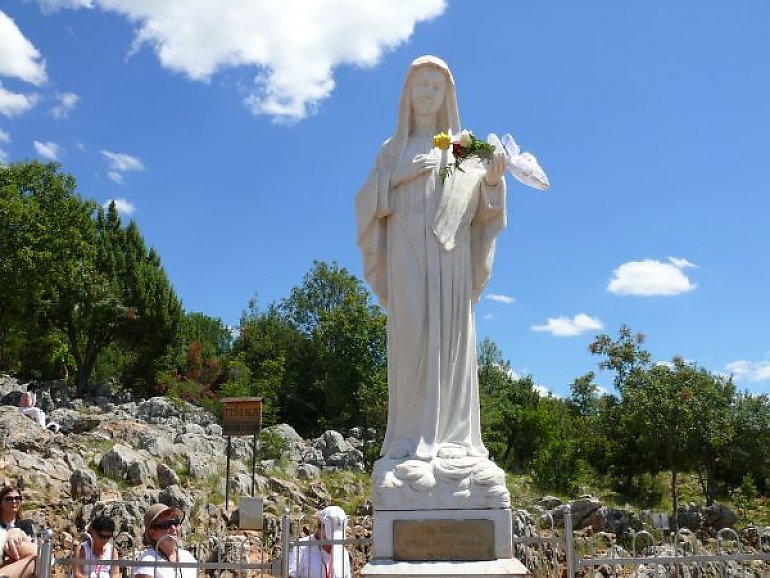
12,499
165,524
104,535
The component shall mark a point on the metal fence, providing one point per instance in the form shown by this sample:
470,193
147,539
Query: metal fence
247,555
560,552
549,551
211,558
679,554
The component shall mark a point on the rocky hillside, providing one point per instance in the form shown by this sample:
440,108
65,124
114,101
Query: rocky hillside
117,455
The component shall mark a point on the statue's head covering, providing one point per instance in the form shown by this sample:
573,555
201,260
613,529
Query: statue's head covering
448,117
333,520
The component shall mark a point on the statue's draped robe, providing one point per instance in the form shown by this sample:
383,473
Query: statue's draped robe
428,249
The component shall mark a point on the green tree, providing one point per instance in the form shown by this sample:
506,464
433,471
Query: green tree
559,464
325,342
265,343
344,338
201,350
153,309
624,355
72,275
509,409
673,416
584,399
494,371
49,249
622,450
747,454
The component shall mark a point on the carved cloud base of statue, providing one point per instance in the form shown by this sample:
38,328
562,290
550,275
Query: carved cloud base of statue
452,483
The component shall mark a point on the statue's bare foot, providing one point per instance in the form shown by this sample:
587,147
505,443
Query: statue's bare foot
452,452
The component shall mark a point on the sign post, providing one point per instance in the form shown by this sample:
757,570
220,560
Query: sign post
241,416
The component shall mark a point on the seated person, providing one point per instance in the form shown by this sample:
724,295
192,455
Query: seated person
161,533
97,550
27,407
11,512
17,554
310,560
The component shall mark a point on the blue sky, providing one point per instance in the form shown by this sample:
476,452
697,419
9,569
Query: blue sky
237,132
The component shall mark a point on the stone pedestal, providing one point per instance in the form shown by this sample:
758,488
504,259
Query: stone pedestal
385,545
508,568
441,543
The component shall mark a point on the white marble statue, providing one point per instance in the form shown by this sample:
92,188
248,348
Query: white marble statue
428,247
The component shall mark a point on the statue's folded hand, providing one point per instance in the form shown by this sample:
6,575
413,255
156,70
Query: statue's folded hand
421,164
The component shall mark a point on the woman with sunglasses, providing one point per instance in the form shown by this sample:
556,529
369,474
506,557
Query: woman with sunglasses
11,511
17,550
97,551
161,533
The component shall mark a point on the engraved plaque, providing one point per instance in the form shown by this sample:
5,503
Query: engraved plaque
423,540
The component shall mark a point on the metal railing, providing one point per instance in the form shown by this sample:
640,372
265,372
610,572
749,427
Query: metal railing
682,554
211,558
233,553
550,551
295,547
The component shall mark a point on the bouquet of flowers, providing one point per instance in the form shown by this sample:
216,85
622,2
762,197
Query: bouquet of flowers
464,146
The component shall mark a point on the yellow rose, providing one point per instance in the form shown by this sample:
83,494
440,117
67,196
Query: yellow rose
442,141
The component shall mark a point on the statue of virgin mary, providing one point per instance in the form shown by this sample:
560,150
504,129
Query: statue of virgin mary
428,244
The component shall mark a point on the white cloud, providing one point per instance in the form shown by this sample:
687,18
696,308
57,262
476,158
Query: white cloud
500,298
681,263
672,365
566,327
116,176
122,162
13,103
66,103
487,316
749,370
124,207
600,390
291,47
48,150
5,138
542,390
650,277
55,5
18,57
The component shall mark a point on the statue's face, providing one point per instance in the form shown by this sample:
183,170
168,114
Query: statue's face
427,91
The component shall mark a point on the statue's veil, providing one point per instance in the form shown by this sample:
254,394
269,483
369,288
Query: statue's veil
448,117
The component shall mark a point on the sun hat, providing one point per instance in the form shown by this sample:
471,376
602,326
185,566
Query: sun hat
154,512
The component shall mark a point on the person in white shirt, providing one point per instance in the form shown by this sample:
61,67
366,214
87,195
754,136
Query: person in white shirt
27,408
97,551
161,533
311,559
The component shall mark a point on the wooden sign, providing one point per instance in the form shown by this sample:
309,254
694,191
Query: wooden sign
241,416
